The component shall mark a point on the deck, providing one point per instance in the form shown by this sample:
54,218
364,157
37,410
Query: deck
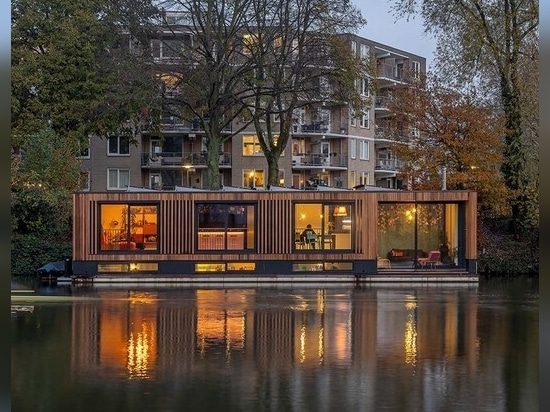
401,276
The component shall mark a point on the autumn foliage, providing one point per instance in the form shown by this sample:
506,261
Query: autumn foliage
438,129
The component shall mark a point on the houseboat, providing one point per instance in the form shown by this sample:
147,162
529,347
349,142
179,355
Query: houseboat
192,235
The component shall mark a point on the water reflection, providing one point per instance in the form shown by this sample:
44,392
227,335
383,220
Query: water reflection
306,348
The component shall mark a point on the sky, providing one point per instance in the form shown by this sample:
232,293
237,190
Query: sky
382,27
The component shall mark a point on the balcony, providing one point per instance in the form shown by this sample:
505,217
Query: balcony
384,164
389,71
175,124
332,161
180,159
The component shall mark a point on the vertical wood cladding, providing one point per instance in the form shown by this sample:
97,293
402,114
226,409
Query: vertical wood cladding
273,229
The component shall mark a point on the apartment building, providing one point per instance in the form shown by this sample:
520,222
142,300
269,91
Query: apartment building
330,145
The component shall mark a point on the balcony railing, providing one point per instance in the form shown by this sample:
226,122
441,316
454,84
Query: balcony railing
388,164
173,123
382,102
319,159
390,71
171,159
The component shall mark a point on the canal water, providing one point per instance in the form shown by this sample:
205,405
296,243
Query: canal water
387,347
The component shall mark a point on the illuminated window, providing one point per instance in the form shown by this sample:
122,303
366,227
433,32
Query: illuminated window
253,178
331,224
210,267
126,227
127,267
249,43
251,146
241,266
225,226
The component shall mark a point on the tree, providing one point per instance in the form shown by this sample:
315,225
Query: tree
71,70
493,46
436,127
300,58
72,76
204,77
43,179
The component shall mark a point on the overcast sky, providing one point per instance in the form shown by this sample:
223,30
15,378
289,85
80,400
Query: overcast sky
381,27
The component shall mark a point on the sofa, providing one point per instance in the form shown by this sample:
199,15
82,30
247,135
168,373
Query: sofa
403,255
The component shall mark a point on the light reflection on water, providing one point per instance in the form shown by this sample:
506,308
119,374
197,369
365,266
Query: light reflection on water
292,348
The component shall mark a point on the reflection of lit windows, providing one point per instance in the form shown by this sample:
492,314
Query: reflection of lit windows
410,332
221,320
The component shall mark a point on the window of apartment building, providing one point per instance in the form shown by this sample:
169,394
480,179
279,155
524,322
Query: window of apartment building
415,69
118,145
365,51
299,116
353,47
225,226
155,181
351,179
251,146
281,177
364,149
364,87
118,178
84,181
364,121
324,86
352,118
84,149
364,178
331,224
128,227
249,43
169,48
353,148
324,117
253,178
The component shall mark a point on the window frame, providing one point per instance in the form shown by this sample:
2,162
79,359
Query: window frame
330,229
120,232
118,172
225,229
119,144
364,149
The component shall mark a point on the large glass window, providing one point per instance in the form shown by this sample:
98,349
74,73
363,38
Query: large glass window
407,231
323,226
128,227
225,226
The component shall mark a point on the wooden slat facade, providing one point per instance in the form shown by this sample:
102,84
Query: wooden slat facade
273,231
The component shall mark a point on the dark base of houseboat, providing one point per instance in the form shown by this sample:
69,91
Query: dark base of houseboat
276,271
